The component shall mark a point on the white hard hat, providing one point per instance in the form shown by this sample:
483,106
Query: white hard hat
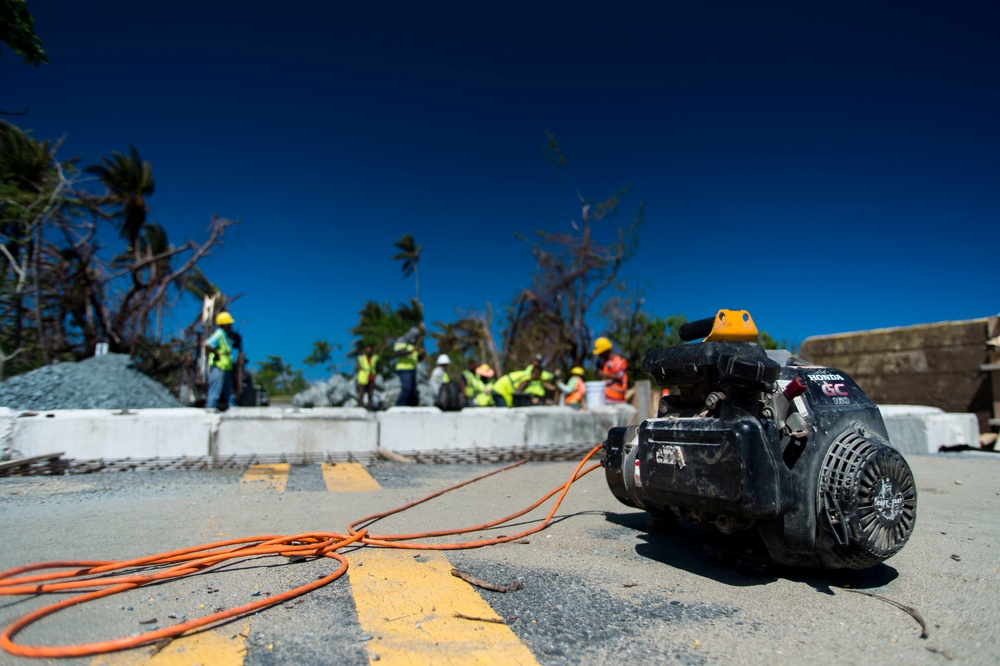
444,360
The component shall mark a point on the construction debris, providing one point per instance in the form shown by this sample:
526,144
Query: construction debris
48,465
472,580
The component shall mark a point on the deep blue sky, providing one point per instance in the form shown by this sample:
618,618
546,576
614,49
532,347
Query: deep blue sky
830,167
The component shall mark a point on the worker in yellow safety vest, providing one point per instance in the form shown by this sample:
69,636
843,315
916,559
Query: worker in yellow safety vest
478,387
365,371
519,381
406,356
220,362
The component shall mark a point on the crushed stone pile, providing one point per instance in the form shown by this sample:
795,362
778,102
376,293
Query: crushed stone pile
111,381
341,391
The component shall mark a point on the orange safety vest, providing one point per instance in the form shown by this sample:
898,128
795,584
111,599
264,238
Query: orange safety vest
616,365
579,390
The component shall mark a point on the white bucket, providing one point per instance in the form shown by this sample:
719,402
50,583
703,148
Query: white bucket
595,394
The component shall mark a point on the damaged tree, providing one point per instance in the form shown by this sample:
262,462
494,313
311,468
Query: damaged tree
572,270
468,338
61,294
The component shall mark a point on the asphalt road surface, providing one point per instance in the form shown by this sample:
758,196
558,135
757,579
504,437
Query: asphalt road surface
595,587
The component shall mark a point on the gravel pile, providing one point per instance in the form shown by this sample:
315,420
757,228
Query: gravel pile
111,381
341,391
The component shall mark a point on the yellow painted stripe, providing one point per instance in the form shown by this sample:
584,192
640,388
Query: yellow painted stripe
348,478
224,646
266,477
409,606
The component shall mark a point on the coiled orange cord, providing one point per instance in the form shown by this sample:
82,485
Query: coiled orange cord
187,561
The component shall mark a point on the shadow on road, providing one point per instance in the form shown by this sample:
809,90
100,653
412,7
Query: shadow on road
736,561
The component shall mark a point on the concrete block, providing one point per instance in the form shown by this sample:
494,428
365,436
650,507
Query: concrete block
916,429
559,426
267,430
428,428
112,434
6,433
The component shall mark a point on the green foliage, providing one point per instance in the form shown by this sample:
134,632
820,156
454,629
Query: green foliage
17,30
409,254
635,333
767,342
129,181
379,326
322,355
62,289
279,378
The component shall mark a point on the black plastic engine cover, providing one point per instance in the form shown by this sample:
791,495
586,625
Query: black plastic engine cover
700,363
721,466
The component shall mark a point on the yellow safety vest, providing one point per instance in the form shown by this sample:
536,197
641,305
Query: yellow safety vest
222,357
473,384
507,384
366,367
408,361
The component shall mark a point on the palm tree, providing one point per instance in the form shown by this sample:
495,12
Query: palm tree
129,181
30,194
409,255
153,246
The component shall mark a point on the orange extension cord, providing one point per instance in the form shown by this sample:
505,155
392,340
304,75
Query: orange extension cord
90,574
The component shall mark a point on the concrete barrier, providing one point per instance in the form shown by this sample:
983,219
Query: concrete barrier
7,433
293,431
915,429
264,431
113,434
427,428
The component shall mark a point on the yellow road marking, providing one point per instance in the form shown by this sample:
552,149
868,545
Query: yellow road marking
225,646
266,477
409,607
348,478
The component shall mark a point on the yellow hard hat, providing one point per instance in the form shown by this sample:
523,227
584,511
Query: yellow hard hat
223,318
601,345
577,371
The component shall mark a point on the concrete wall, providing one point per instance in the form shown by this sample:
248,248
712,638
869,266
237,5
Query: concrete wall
937,365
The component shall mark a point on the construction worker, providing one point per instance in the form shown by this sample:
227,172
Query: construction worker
519,381
469,382
485,374
439,375
575,389
220,362
365,377
477,385
612,368
406,357
538,389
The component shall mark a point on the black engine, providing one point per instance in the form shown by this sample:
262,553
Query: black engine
794,454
